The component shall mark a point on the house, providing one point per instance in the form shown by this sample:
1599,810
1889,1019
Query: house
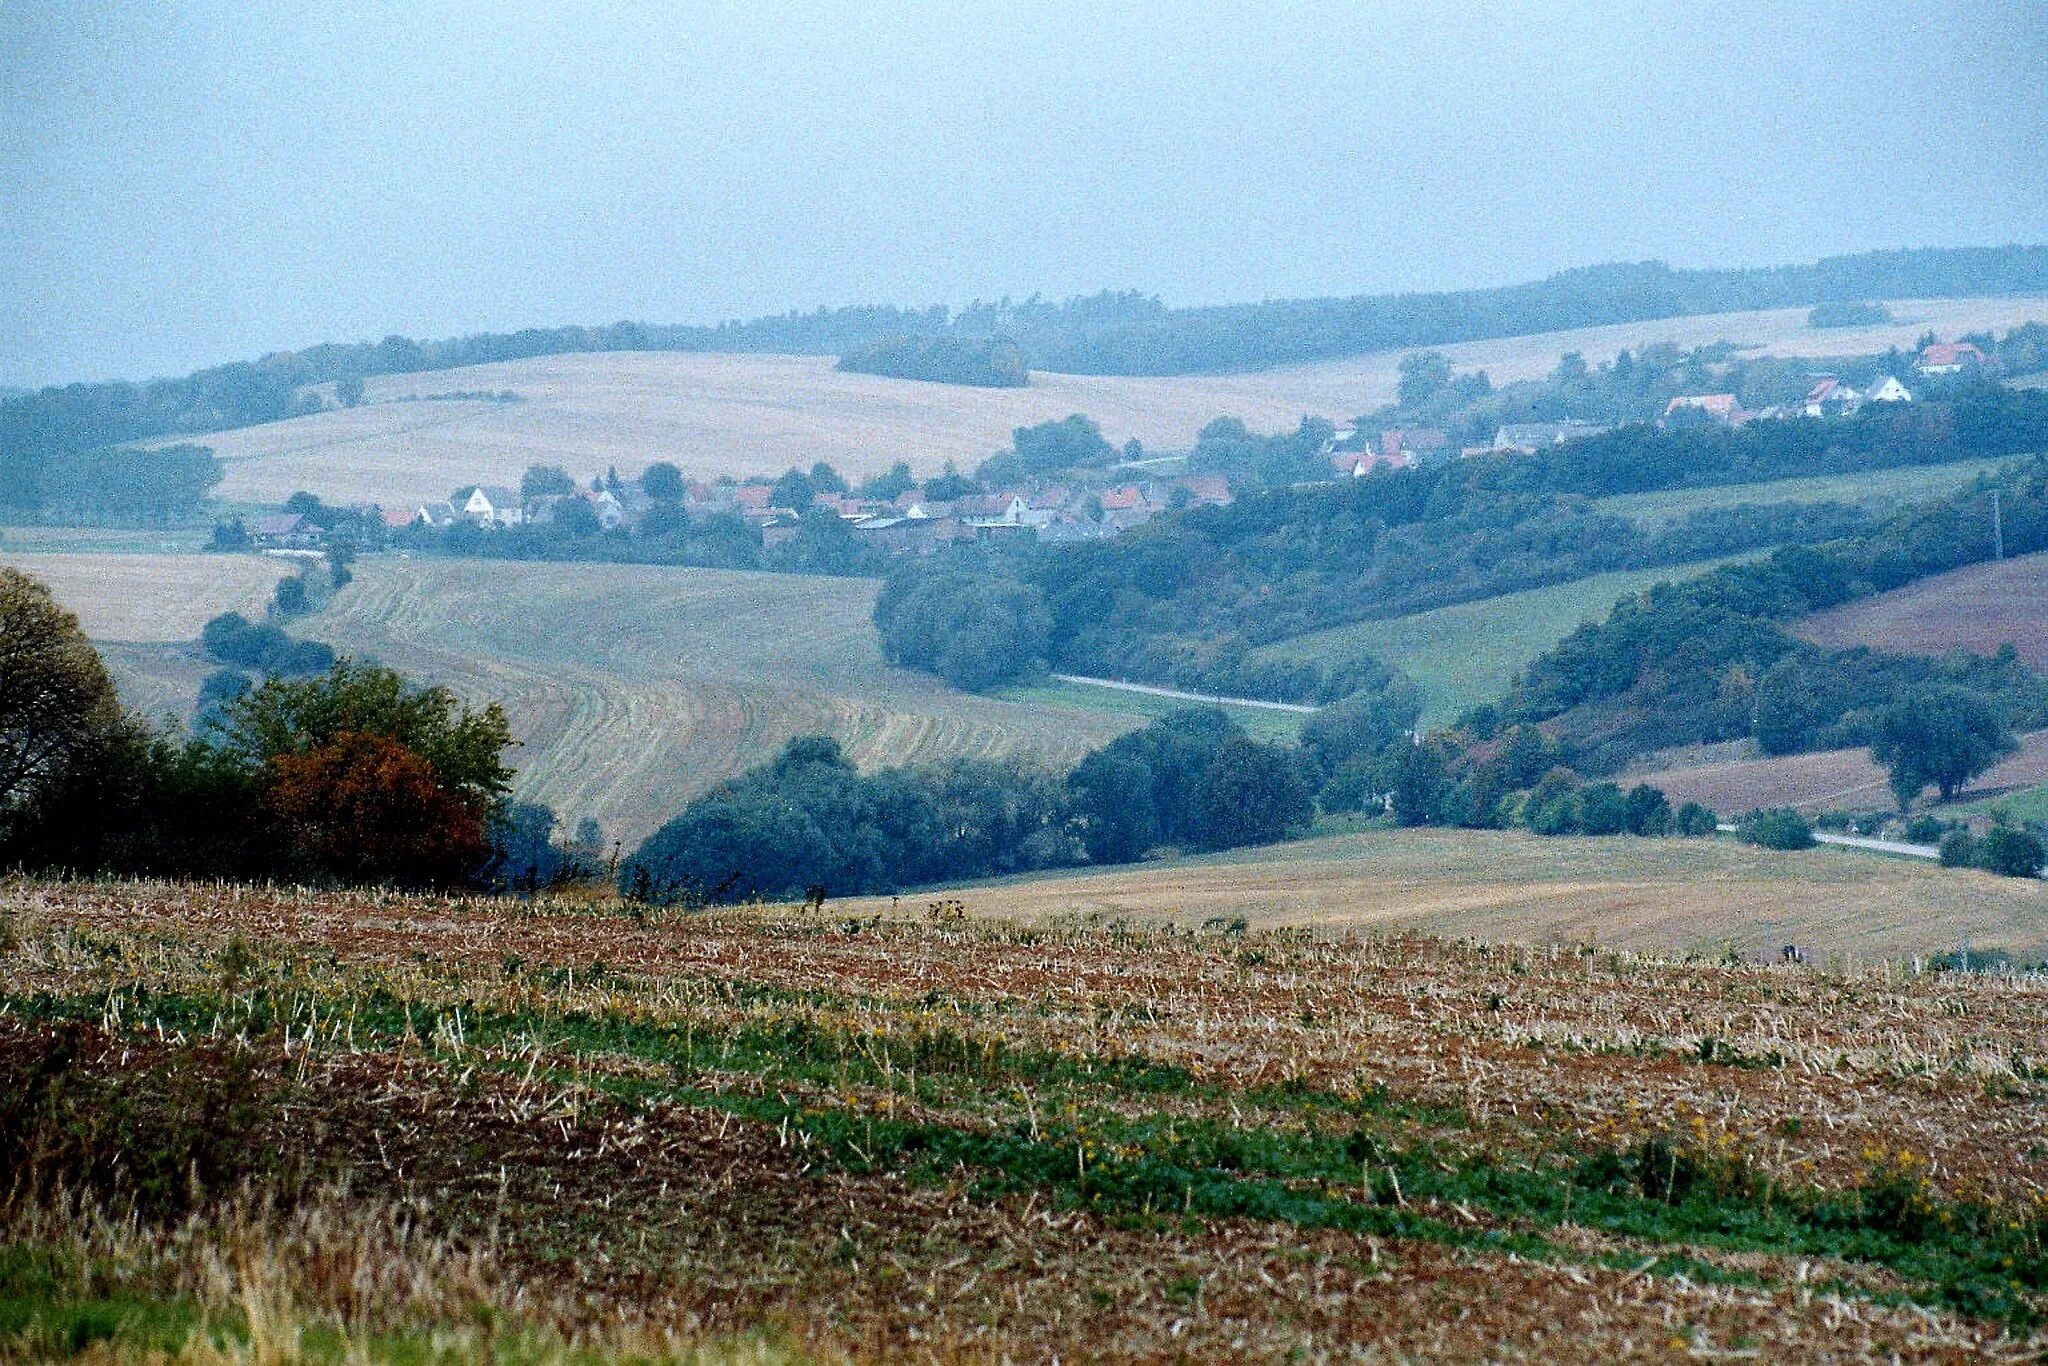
751,502
1123,498
1949,358
1721,408
492,505
1208,490
285,531
435,516
991,510
1416,443
1888,390
1531,437
1358,464
396,519
1831,398
610,511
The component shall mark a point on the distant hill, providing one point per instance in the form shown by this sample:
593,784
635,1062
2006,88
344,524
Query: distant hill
1104,334
761,414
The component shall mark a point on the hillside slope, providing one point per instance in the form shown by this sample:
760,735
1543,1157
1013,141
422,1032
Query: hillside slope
1977,609
760,414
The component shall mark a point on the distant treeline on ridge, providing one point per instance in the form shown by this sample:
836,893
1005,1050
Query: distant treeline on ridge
1103,334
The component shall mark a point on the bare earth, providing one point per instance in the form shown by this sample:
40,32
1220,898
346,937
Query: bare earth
1665,896
1837,780
1978,609
761,414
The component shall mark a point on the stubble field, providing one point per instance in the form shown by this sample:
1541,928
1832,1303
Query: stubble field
741,415
444,1130
1978,608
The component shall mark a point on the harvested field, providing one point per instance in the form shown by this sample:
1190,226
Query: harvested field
776,1135
1835,780
1878,490
1978,609
632,687
762,414
152,598
1663,896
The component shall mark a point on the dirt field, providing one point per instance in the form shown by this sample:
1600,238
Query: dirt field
762,414
1664,896
152,598
1836,780
516,1129
1978,609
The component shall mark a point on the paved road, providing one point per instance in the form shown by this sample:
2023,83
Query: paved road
1147,688
1861,842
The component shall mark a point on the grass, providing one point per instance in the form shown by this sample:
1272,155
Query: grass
1467,654
1262,722
1876,489
2028,806
542,1131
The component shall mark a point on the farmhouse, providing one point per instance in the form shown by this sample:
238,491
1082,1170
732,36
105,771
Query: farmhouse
1949,358
286,531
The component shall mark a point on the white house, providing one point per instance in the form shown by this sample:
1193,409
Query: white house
1888,390
493,505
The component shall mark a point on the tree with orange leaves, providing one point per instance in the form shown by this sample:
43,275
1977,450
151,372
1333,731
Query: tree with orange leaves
363,808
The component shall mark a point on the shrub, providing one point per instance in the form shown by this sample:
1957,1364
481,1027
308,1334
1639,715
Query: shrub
2011,853
1780,827
1958,849
1924,830
1649,811
1695,821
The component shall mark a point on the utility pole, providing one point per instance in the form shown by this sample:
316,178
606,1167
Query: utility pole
1997,528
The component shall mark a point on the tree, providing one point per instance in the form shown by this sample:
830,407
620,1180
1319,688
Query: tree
898,481
1941,734
1649,811
348,390
56,698
1252,793
1422,374
1780,827
825,479
792,490
463,749
1112,796
662,482
363,808
545,481
1783,711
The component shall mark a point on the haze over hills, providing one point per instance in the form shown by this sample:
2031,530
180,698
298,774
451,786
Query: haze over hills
750,414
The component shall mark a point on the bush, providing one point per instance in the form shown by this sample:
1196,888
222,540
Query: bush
1695,821
2011,853
1603,810
1924,830
1780,827
1958,849
1649,811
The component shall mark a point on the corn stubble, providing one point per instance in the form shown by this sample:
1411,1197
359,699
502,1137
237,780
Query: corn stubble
254,1124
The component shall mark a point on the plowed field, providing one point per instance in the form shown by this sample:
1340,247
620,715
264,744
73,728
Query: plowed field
1978,609
510,1129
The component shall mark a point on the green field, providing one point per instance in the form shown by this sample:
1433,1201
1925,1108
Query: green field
2029,806
1468,654
1262,722
1875,489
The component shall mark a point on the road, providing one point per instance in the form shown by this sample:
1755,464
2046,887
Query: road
1861,842
1184,696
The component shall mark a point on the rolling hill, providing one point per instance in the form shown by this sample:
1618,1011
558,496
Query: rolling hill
760,414
631,688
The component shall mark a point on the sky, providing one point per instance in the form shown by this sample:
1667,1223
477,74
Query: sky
191,182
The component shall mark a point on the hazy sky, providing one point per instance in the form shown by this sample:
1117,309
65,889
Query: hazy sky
186,183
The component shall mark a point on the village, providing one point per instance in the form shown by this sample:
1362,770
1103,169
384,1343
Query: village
1077,507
